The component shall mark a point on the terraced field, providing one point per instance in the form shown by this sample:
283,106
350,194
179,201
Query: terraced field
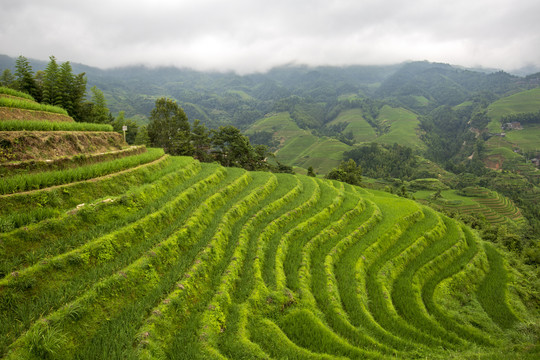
496,208
361,129
299,147
402,126
181,260
525,101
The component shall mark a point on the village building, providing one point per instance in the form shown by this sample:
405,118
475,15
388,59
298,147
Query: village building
515,125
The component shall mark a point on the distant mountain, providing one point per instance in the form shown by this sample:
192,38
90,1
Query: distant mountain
228,98
442,84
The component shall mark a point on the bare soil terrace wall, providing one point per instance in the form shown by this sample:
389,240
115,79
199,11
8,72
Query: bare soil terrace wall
43,145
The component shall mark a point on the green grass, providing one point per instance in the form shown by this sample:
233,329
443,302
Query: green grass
298,147
494,207
241,94
302,149
31,125
492,292
13,92
197,261
522,102
323,154
360,128
19,183
527,139
403,127
280,122
22,104
21,209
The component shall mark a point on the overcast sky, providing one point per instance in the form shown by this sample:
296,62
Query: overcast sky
252,35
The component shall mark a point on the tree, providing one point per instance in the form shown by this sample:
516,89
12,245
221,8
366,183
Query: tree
65,88
100,112
7,79
51,92
232,148
78,96
200,140
132,127
169,128
348,172
310,171
25,81
142,137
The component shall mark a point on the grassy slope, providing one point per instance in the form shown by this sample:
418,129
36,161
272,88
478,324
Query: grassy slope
501,149
206,261
300,147
361,129
525,101
527,139
403,127
495,207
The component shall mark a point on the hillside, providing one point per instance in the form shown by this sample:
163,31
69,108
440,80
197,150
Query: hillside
304,148
190,260
299,147
111,251
514,143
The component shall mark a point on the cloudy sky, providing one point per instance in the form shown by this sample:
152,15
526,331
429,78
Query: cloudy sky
253,35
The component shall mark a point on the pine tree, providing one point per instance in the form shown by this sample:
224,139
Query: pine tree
78,96
100,112
7,79
25,78
50,83
65,87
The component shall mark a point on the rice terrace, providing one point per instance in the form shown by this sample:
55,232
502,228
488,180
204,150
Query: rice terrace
118,252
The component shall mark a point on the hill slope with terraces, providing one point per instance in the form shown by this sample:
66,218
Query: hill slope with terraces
149,256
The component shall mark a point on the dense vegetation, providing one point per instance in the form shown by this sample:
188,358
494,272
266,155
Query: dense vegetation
169,129
55,87
383,161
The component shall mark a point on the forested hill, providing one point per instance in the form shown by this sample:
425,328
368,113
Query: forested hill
228,98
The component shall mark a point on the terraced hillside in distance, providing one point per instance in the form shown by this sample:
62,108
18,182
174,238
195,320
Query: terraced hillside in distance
182,260
302,148
496,208
299,147
514,142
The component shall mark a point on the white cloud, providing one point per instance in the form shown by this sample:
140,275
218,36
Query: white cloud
248,35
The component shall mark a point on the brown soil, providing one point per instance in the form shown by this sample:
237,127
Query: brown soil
494,162
44,145
7,113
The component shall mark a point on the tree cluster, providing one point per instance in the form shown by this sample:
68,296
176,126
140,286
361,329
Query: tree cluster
523,118
170,129
348,172
57,85
385,161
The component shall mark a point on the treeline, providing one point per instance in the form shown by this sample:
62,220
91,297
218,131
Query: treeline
170,129
523,118
58,86
385,161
